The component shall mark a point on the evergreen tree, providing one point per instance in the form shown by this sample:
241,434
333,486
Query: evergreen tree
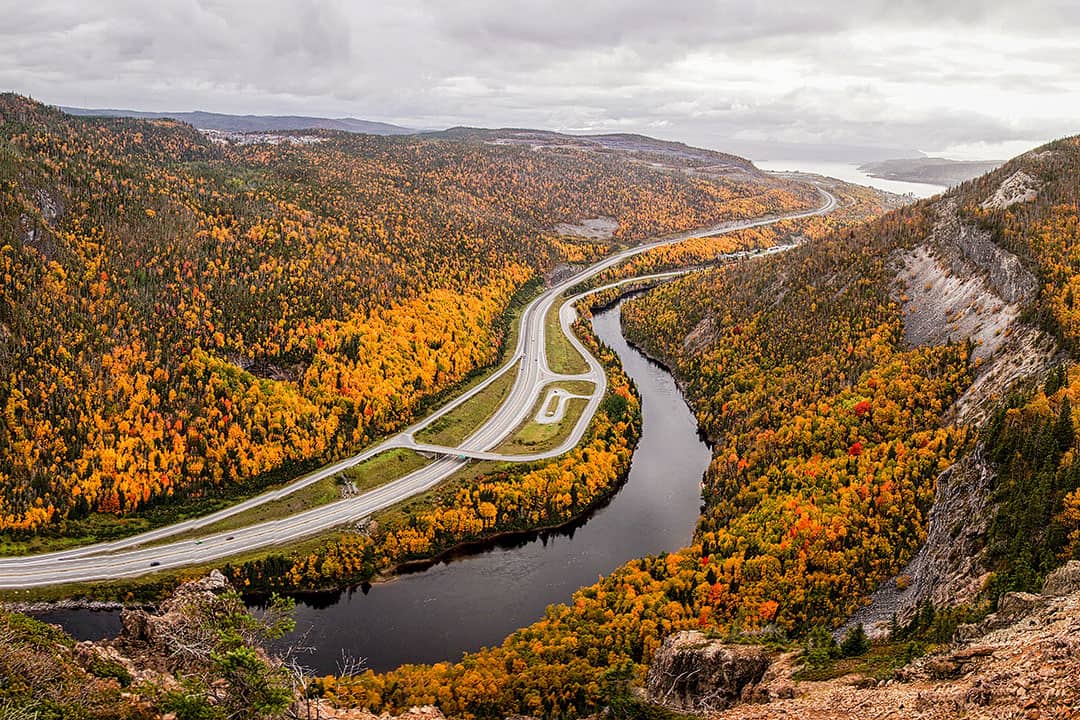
820,647
855,642
1054,380
1064,432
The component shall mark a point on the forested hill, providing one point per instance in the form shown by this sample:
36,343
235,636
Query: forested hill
839,380
663,152
179,315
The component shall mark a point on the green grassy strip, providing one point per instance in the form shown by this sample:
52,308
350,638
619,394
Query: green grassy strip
458,424
562,356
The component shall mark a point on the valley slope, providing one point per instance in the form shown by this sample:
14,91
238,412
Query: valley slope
185,321
890,403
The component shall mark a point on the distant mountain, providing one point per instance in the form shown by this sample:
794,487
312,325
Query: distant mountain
930,170
252,123
641,147
770,151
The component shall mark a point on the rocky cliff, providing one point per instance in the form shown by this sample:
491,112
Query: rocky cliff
959,286
1021,662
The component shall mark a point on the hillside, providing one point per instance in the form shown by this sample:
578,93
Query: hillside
792,370
1018,662
171,659
981,275
932,170
181,316
890,403
199,654
646,150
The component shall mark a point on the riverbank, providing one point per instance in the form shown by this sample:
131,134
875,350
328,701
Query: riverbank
476,594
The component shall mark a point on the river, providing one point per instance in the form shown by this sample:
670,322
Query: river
477,597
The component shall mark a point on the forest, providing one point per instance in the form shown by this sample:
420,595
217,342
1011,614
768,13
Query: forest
182,317
1031,440
750,574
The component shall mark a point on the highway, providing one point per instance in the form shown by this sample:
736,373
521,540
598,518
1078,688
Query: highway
132,556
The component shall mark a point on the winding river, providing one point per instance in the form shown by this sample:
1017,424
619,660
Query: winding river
478,596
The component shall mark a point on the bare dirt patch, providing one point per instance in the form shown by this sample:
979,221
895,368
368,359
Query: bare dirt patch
599,228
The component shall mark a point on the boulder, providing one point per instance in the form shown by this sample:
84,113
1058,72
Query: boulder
135,626
215,583
175,628
1063,581
1014,606
691,673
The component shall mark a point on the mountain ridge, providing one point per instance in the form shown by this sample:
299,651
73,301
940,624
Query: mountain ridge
227,122
929,170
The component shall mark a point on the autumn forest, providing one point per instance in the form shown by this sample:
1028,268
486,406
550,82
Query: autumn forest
188,319
180,315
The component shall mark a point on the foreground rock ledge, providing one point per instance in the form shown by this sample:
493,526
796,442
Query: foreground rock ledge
1020,663
691,673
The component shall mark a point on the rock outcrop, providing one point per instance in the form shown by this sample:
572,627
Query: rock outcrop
1022,662
947,568
959,286
691,673
157,629
325,711
1017,188
179,633
1063,581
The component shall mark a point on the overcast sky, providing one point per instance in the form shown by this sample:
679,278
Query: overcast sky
967,78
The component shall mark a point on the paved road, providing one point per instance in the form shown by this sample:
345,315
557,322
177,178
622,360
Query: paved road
131,557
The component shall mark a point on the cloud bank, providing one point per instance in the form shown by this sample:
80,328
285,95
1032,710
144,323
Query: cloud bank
967,78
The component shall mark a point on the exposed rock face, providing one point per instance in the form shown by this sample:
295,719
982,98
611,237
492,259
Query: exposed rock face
691,673
600,228
324,711
1008,277
560,272
1026,353
168,632
40,237
1063,581
944,307
1018,187
1015,605
947,569
959,286
703,335
1022,662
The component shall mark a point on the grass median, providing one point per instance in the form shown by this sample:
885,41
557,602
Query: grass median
453,427
562,356
532,436
371,473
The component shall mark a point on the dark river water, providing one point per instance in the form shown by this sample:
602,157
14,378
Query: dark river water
478,596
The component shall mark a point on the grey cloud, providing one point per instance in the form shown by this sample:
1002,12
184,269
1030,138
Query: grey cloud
872,72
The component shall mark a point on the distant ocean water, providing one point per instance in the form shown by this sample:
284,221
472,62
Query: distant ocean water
849,172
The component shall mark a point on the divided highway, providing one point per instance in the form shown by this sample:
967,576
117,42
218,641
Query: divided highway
131,557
